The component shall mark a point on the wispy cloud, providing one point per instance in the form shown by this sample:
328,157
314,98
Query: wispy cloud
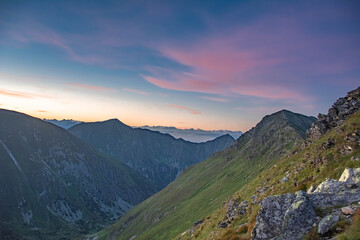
215,99
19,94
192,111
42,111
135,91
92,87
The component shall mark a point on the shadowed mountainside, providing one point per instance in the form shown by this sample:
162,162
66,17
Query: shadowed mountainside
54,185
159,157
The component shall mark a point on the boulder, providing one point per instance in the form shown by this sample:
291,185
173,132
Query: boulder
327,223
299,218
271,215
347,211
291,216
350,176
329,186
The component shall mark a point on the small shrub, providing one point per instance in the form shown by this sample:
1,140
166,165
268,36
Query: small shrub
302,187
243,229
312,235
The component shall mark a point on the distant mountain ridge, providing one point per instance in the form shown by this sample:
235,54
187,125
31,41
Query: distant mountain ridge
159,157
193,135
53,185
65,123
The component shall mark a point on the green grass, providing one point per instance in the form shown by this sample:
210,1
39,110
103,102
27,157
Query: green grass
201,189
310,175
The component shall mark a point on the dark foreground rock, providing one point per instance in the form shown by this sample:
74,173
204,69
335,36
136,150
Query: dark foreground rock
291,216
337,114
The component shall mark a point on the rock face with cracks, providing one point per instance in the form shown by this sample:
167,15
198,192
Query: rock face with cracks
291,216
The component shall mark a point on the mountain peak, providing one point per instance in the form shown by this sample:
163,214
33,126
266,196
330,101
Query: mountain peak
276,124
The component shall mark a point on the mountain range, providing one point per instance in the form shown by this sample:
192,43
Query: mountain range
203,187
65,123
157,156
54,185
271,183
248,190
193,135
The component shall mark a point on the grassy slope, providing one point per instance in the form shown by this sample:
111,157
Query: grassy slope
333,166
165,215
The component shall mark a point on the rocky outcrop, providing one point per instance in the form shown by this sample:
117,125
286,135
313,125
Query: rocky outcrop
327,223
291,216
337,114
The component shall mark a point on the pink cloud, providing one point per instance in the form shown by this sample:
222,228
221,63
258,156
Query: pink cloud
192,111
271,92
91,87
135,91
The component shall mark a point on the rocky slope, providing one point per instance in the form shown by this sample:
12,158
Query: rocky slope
53,185
159,157
337,114
203,187
267,208
292,216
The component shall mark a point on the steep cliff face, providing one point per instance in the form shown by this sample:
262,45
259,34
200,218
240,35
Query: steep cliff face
203,187
52,184
159,157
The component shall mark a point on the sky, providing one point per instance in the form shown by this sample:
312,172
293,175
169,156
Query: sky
189,64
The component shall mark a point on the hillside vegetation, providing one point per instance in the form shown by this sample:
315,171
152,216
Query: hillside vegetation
303,168
203,187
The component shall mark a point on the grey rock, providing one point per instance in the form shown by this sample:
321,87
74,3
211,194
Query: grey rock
350,176
198,222
271,215
290,217
327,223
254,199
223,224
298,219
328,144
284,179
232,211
330,186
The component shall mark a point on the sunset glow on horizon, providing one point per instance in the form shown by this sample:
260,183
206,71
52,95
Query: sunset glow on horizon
189,64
